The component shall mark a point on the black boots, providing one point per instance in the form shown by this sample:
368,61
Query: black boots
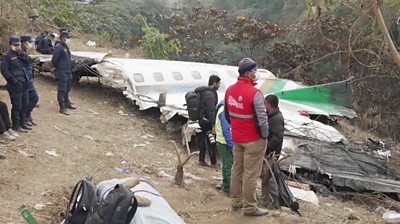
29,119
24,125
17,128
70,106
63,110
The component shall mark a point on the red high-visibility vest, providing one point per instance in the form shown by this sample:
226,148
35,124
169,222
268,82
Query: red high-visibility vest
239,99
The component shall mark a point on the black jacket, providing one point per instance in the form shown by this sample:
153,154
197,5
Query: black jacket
209,100
62,59
276,131
12,68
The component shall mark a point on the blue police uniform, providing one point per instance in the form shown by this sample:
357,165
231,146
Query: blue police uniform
61,60
17,85
45,46
32,93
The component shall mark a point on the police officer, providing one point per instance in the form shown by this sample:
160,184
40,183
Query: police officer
17,84
62,29
46,44
61,60
27,44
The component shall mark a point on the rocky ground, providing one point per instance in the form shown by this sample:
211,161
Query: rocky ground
108,132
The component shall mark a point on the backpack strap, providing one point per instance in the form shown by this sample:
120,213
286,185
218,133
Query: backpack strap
73,199
132,211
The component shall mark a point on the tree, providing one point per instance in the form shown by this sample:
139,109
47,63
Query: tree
158,45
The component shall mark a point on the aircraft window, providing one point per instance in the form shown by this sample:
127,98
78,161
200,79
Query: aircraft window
213,73
138,77
158,76
196,74
177,75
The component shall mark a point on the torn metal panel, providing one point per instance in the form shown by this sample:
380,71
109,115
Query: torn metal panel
332,99
301,126
338,165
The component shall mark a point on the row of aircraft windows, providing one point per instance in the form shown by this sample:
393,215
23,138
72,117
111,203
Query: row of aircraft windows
158,76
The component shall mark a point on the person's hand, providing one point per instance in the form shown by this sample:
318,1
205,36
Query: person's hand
213,130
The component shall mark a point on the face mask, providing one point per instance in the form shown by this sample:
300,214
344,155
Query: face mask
30,45
14,48
68,42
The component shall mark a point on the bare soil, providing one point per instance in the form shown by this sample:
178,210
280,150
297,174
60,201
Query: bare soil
105,122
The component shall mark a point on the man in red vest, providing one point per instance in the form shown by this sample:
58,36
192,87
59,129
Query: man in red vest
245,110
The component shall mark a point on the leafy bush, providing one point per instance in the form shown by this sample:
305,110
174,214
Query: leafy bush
158,45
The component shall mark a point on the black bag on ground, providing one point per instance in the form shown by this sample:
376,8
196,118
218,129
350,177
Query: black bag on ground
83,207
193,103
82,202
280,192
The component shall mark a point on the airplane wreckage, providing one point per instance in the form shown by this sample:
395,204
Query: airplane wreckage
321,155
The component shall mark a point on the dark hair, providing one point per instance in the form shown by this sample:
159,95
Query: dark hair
213,79
272,99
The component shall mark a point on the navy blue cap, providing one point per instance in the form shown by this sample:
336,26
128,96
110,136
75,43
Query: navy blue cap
246,64
14,40
64,34
26,38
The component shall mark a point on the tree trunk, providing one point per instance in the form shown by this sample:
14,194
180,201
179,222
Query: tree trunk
382,26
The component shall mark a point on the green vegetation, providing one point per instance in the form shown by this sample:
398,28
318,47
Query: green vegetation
158,45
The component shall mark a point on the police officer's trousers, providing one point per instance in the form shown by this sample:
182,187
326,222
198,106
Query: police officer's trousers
19,100
64,86
32,94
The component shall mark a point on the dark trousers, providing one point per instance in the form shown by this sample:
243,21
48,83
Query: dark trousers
33,98
32,94
205,145
19,99
5,122
64,86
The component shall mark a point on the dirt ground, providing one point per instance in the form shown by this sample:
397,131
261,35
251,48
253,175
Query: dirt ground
106,132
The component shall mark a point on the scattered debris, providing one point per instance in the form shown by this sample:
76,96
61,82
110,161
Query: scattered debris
26,214
308,196
46,193
162,174
194,177
51,152
94,112
88,137
39,207
147,136
339,166
122,113
122,170
139,145
60,130
109,154
25,154
391,216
